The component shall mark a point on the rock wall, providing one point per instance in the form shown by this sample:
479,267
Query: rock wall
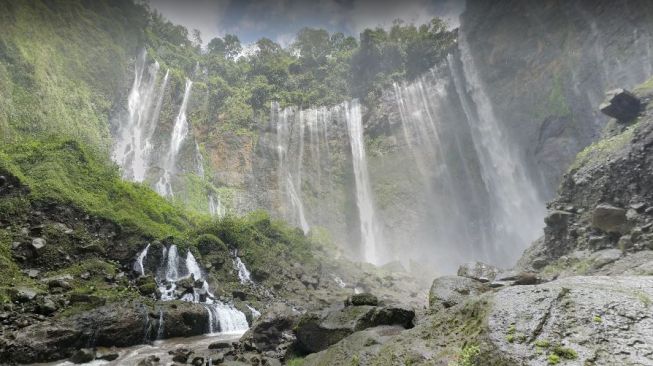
548,65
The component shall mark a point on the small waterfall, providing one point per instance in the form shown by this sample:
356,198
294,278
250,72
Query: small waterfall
339,281
289,170
255,313
243,273
132,143
215,206
178,136
368,225
139,260
223,318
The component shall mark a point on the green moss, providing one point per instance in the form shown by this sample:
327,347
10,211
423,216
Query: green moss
564,352
597,319
295,362
542,343
602,149
468,356
553,359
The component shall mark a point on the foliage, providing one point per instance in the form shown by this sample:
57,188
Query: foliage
469,356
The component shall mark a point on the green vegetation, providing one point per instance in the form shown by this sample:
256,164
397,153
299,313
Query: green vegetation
602,149
553,359
469,356
565,353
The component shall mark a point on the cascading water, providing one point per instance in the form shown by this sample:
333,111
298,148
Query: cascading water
369,229
132,144
139,260
515,206
223,318
178,136
290,183
215,206
243,274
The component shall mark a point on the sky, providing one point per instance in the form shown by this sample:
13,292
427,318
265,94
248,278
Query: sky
280,20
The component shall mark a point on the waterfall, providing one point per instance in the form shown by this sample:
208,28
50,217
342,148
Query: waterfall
222,318
243,273
516,207
368,225
289,172
178,136
139,260
215,207
132,144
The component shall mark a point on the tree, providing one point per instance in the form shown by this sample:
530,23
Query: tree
232,47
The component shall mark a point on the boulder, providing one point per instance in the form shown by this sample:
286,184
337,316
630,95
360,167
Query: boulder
149,361
22,294
180,355
609,218
272,331
557,219
603,257
596,320
317,332
478,271
448,291
362,299
621,105
38,243
83,355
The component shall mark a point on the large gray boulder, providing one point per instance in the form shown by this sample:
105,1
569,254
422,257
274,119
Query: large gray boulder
317,332
578,320
621,104
478,271
609,218
273,330
448,291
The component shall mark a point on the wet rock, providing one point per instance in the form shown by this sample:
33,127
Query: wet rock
272,331
448,291
197,361
106,354
478,271
180,355
183,319
609,218
600,319
621,104
46,306
318,332
149,361
83,355
220,345
362,299
217,358
557,218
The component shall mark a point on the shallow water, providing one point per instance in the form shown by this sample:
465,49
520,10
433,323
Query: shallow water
133,355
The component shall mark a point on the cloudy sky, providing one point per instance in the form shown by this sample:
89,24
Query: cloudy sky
279,20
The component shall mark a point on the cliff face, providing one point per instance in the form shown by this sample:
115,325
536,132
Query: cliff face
548,63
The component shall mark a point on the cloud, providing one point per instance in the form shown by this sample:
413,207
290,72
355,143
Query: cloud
279,20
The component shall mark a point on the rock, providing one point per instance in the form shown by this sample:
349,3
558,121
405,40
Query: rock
46,306
198,361
448,291
526,278
557,218
220,345
609,218
58,285
309,280
106,354
78,298
3,181
38,243
33,273
621,104
149,361
85,276
83,355
602,319
217,358
316,333
183,319
362,299
22,294
181,354
603,257
478,271
273,329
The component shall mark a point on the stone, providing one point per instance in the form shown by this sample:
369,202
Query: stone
59,284
219,345
181,354
478,271
149,361
22,294
83,355
197,361
106,354
603,257
38,243
362,299
621,105
272,329
526,278
448,291
317,332
33,273
46,306
569,315
217,358
557,219
609,218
